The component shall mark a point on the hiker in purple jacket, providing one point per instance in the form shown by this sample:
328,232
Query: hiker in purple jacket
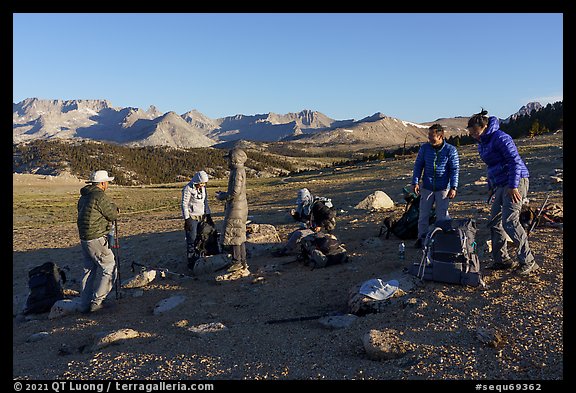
440,163
508,182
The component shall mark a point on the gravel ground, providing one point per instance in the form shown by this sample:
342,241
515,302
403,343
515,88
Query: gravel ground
442,332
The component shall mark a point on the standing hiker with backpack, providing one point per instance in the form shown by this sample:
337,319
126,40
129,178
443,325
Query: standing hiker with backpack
96,213
440,162
508,182
236,210
194,210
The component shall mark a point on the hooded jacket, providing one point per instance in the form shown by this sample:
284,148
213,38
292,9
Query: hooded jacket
95,213
498,151
195,200
236,210
440,167
304,202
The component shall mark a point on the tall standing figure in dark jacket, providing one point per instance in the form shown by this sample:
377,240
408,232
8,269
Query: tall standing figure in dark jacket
440,163
236,210
508,182
96,213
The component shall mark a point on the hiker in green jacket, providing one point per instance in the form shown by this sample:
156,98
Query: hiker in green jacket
96,213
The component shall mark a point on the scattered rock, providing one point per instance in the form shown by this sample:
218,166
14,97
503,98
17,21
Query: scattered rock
206,328
182,323
71,293
64,307
416,303
37,337
491,337
210,264
338,321
556,179
113,338
258,280
385,344
168,304
375,201
140,280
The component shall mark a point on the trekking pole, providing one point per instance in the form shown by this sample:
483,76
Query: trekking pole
535,220
160,269
117,247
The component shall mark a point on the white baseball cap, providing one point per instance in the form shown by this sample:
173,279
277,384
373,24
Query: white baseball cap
99,177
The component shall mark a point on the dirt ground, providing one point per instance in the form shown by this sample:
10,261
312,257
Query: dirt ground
527,311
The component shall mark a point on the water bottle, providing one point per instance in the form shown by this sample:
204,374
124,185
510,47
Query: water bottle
402,250
111,235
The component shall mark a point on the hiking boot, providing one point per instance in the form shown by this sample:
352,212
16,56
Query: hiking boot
235,267
96,307
507,263
419,244
527,268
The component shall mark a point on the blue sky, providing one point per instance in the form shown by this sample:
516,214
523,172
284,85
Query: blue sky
416,67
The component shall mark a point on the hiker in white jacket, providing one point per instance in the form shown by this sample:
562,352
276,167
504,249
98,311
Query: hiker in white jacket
194,209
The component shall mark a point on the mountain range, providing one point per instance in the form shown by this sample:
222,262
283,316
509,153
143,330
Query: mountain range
35,118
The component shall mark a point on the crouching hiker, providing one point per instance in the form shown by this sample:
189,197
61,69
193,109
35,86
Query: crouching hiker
303,207
315,214
96,213
236,210
508,182
195,209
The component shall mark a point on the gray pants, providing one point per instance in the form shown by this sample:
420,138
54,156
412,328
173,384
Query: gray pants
239,254
505,218
99,271
427,199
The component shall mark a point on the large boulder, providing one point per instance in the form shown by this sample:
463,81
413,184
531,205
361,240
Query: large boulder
376,201
262,233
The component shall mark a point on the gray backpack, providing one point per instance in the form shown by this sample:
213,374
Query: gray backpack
450,254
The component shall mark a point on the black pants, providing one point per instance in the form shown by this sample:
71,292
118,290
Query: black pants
239,254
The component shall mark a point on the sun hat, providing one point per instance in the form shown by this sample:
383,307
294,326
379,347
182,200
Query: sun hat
99,177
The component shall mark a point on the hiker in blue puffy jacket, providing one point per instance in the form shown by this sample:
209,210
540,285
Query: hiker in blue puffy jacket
508,182
440,163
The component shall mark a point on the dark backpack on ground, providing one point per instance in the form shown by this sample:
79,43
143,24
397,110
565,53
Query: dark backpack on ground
45,283
406,227
323,215
327,244
450,254
206,242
